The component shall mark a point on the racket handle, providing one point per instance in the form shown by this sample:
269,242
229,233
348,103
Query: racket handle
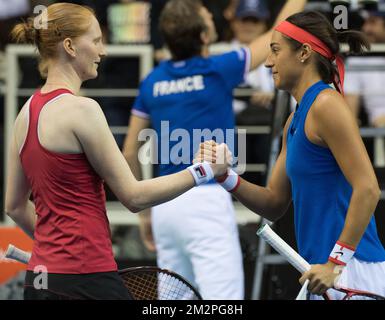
17,254
267,234
302,295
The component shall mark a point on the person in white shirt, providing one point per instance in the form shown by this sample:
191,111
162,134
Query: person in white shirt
368,82
248,23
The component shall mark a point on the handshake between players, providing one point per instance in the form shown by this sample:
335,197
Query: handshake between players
218,155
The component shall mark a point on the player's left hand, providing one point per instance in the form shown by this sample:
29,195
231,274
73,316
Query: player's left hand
321,277
218,155
212,152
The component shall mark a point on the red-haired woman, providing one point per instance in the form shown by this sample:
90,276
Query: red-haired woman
61,151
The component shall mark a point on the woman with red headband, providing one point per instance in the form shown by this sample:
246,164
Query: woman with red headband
323,166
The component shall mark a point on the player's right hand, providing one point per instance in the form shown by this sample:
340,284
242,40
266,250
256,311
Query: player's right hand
218,155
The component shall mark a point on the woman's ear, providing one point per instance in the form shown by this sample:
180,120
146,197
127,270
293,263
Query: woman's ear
205,38
306,52
69,47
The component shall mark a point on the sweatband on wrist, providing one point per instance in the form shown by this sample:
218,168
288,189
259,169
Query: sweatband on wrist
230,182
341,253
201,172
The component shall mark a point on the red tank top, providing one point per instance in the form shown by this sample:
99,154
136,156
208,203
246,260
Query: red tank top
72,233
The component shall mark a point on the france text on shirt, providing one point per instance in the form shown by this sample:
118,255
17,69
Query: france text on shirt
188,84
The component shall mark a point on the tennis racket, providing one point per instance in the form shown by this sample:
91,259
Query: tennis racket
143,283
152,283
267,234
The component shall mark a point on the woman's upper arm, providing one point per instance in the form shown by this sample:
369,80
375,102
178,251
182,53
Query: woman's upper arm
18,189
99,145
336,126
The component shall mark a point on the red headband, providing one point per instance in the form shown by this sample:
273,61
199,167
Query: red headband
317,45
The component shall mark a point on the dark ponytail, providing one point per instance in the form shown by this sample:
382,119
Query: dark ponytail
318,25
357,41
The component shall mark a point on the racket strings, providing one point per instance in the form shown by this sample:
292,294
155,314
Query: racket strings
142,286
171,288
150,285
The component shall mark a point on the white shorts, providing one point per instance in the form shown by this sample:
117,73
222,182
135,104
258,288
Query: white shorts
360,275
196,236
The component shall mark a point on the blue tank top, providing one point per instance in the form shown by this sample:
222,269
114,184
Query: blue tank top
321,193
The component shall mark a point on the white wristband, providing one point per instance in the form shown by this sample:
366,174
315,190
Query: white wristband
230,182
201,172
341,253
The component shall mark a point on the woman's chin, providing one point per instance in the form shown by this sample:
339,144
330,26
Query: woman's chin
91,76
277,84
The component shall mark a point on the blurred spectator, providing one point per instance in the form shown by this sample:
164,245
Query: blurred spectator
249,22
217,9
368,85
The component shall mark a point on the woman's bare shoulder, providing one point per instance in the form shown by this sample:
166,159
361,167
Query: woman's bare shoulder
81,101
85,113
331,112
329,101
80,108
